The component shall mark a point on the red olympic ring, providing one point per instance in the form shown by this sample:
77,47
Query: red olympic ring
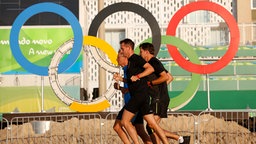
234,33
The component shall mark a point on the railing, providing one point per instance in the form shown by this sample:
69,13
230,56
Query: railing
215,127
239,74
4,131
226,127
77,128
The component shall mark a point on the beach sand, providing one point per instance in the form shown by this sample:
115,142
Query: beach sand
205,130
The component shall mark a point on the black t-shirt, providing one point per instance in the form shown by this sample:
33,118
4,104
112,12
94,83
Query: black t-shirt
159,68
135,66
157,65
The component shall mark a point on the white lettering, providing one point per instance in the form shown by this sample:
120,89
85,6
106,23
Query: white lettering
31,51
44,52
24,41
41,42
4,42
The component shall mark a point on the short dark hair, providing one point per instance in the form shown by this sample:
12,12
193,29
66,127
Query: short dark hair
128,42
148,46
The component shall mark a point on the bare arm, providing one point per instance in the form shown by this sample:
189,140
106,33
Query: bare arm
148,70
170,78
118,77
163,78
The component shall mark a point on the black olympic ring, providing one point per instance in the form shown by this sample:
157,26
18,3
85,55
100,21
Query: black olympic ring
127,6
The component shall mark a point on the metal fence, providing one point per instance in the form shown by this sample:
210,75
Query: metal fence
77,128
222,127
215,127
4,133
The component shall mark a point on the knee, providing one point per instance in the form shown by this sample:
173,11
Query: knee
124,123
116,127
150,126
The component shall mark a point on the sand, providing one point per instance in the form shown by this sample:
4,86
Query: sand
204,130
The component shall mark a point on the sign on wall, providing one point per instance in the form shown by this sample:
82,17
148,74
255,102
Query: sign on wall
37,45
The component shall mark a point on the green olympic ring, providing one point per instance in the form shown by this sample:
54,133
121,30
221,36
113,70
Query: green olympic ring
187,95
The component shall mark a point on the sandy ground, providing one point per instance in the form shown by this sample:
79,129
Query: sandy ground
206,130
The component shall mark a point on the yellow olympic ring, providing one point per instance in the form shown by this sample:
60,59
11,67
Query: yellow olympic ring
103,45
111,53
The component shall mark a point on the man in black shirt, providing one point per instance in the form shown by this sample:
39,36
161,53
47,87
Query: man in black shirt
137,121
138,70
157,82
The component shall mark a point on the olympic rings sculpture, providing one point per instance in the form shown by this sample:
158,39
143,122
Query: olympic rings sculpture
79,40
233,28
39,8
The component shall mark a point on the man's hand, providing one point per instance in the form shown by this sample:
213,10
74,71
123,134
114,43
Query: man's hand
150,84
134,78
118,87
117,77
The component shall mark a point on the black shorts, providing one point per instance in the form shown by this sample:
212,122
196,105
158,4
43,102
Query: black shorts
120,113
137,119
139,102
159,107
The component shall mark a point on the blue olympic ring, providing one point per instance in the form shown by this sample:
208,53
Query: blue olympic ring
39,8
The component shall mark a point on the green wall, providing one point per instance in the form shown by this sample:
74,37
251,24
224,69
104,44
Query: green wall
222,100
